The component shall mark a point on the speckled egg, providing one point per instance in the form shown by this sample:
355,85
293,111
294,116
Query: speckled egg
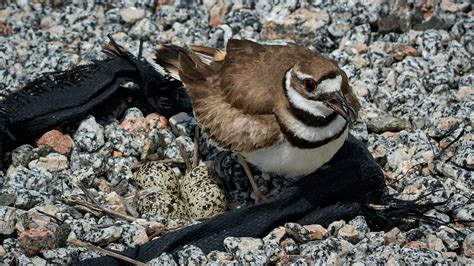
203,197
163,204
157,174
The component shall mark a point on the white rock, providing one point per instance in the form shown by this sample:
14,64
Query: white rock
453,7
47,22
4,14
53,162
106,235
132,14
57,30
142,28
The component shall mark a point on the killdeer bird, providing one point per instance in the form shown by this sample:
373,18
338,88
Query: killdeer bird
284,108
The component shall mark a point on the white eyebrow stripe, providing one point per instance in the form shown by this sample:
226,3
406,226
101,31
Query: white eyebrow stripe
330,85
301,76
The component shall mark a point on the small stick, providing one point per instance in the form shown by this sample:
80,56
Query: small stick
160,231
103,209
84,206
106,252
87,192
185,156
164,161
171,161
449,144
196,147
131,209
156,233
51,216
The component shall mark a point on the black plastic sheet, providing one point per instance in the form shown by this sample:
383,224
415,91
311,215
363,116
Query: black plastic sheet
339,190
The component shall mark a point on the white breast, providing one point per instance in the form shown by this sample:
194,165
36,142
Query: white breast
287,160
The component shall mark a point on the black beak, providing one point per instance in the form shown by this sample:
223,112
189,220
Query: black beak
341,106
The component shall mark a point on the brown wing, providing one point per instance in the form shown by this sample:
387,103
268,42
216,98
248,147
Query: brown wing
228,126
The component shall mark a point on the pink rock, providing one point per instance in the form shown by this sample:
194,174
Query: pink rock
116,154
160,3
34,241
447,123
61,143
402,50
416,244
155,120
361,48
135,124
5,30
316,231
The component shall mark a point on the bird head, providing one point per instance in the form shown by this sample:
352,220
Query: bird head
317,85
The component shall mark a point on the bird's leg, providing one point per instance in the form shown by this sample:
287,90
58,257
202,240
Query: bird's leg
259,196
268,180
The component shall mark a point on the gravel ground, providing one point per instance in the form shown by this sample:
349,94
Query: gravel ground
410,63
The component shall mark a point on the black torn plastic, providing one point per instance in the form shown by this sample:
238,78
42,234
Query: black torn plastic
60,96
347,187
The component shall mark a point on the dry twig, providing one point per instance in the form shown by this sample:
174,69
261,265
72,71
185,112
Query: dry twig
196,148
184,154
106,252
96,205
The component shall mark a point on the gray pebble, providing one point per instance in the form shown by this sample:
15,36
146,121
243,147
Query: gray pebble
191,255
449,237
90,135
323,251
183,124
468,245
62,255
124,141
22,155
164,259
239,246
417,255
297,232
7,220
385,123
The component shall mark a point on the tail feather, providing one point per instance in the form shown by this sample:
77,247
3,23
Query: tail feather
181,63
188,70
167,56
209,54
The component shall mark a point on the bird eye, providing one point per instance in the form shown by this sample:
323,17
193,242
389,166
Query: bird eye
309,84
